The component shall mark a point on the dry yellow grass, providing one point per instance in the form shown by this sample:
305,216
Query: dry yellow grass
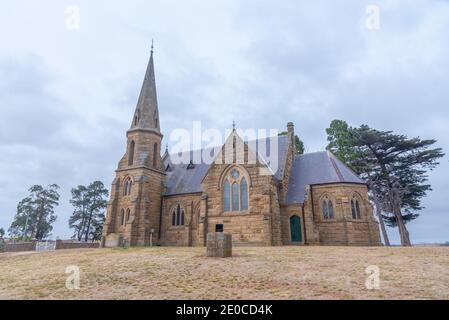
253,273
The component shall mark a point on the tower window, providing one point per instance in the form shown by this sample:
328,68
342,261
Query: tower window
132,146
128,215
136,118
127,187
122,217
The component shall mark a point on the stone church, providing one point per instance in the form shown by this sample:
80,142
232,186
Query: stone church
309,199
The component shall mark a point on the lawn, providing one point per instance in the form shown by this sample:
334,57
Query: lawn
253,273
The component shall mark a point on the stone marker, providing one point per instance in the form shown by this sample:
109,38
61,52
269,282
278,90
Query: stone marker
219,245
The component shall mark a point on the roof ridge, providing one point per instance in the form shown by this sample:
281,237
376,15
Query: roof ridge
334,164
219,146
308,153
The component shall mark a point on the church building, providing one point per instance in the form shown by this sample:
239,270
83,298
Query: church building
308,199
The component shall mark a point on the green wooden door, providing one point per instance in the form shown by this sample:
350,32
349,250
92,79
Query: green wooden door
295,229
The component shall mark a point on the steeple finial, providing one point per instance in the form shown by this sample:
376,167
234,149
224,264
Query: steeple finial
152,46
233,125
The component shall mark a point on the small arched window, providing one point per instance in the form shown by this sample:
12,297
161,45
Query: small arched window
355,208
132,146
127,186
173,219
327,208
136,118
122,217
128,215
178,216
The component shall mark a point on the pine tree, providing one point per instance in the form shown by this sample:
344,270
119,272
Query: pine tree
80,202
88,215
36,213
394,165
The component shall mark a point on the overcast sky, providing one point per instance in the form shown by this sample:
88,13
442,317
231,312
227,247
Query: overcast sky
67,94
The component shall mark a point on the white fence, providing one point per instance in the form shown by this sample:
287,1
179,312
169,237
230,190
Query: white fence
46,246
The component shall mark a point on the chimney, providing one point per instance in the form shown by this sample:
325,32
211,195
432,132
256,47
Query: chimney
291,136
290,127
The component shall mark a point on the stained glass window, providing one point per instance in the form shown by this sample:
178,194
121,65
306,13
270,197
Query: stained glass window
243,194
235,197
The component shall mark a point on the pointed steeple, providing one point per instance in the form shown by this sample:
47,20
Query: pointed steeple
146,115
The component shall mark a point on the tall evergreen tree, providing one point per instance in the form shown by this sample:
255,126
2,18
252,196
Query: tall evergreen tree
80,202
2,233
88,215
395,165
36,213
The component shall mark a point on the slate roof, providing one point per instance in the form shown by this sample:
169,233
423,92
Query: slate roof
317,168
181,180
308,169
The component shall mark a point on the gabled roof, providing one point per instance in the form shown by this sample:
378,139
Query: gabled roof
317,168
181,180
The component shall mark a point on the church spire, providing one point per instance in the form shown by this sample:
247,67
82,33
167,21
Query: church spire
146,115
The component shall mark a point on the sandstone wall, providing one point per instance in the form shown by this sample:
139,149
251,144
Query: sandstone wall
186,235
260,224
343,229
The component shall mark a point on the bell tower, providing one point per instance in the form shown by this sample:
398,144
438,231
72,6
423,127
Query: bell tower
134,209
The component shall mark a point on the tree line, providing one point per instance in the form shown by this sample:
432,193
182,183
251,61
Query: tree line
36,215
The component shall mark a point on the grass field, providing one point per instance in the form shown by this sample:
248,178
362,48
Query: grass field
253,273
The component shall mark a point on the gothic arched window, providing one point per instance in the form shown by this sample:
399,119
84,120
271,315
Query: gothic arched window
355,208
235,192
132,146
136,118
177,216
173,219
235,197
327,208
127,186
122,217
128,215
244,194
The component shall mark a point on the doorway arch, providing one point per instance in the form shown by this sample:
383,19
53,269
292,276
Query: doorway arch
295,229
